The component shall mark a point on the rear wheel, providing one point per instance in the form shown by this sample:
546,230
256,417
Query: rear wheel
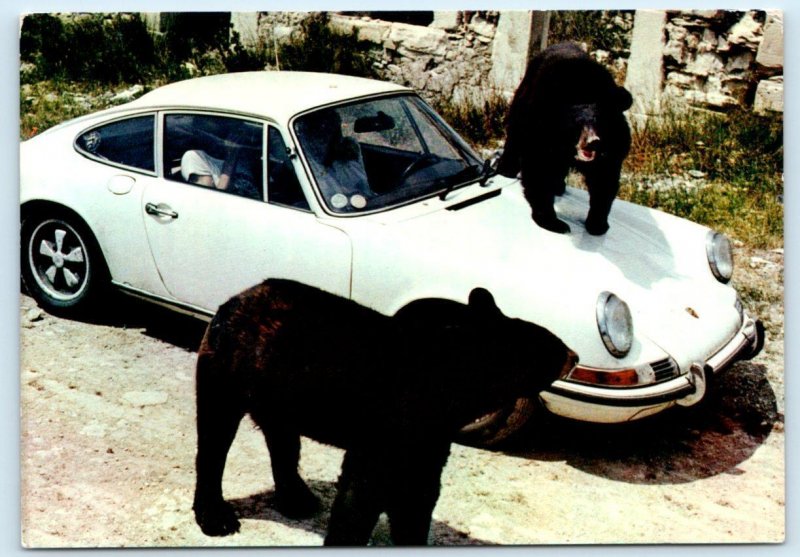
61,266
498,426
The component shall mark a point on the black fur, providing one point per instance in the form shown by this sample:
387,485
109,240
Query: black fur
391,391
566,99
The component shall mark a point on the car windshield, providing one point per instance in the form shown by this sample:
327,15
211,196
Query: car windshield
383,152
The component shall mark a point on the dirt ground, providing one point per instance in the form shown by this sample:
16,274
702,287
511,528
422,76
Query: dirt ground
108,444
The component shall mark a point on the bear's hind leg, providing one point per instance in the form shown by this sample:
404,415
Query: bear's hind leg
293,498
357,505
414,492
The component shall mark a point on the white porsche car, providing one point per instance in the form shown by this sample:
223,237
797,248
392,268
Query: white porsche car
202,188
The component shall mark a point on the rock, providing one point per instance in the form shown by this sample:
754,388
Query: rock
34,314
704,64
94,429
368,29
769,96
419,39
481,27
128,94
739,63
145,398
770,52
445,20
746,32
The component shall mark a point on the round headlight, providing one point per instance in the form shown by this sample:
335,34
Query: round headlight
720,256
615,324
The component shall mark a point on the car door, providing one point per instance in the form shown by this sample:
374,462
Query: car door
210,243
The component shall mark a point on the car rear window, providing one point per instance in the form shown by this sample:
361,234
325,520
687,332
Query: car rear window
128,142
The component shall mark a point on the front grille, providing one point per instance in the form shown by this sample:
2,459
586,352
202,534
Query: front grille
665,369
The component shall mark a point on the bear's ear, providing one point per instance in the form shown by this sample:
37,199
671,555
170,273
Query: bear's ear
622,99
482,304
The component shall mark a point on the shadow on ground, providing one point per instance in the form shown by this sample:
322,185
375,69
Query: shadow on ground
120,310
262,507
677,446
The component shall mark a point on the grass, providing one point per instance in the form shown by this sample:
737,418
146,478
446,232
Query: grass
595,28
480,120
44,104
740,158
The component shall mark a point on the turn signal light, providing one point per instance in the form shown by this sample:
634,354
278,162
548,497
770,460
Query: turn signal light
605,377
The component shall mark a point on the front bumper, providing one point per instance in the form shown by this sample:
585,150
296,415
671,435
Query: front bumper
606,405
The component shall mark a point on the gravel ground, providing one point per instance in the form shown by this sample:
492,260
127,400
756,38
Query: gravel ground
108,444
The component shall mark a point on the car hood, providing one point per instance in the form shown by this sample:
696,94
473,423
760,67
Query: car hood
480,238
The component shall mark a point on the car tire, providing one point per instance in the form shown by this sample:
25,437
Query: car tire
61,264
499,426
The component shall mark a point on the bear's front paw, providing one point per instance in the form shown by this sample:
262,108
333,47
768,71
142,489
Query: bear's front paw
596,228
552,224
216,519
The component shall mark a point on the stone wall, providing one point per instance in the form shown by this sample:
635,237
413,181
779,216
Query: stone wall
453,56
714,59
721,59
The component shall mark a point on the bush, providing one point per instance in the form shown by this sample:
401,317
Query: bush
207,41
598,29
90,47
318,48
118,48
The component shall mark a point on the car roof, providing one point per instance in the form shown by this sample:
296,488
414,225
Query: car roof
274,94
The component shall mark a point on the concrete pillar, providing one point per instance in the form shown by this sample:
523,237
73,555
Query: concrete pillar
645,76
445,20
152,21
540,27
246,24
510,50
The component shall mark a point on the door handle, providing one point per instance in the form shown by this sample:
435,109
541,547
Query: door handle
153,209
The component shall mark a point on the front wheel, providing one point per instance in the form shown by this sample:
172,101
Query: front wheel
61,267
498,426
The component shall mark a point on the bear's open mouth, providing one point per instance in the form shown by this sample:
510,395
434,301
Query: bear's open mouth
588,143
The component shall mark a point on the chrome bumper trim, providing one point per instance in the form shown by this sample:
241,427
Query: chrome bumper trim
745,344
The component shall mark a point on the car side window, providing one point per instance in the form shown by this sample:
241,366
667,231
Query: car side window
216,152
283,188
126,142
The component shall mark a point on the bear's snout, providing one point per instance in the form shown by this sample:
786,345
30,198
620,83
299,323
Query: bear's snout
588,145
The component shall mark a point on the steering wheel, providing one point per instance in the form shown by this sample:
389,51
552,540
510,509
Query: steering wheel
424,160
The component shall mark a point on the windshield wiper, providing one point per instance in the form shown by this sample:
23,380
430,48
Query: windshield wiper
488,170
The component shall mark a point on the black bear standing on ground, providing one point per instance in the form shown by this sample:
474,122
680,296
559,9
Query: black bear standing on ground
391,391
567,113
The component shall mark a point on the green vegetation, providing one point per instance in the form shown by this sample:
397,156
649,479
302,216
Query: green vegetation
740,157
480,121
595,28
91,47
319,48
118,48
